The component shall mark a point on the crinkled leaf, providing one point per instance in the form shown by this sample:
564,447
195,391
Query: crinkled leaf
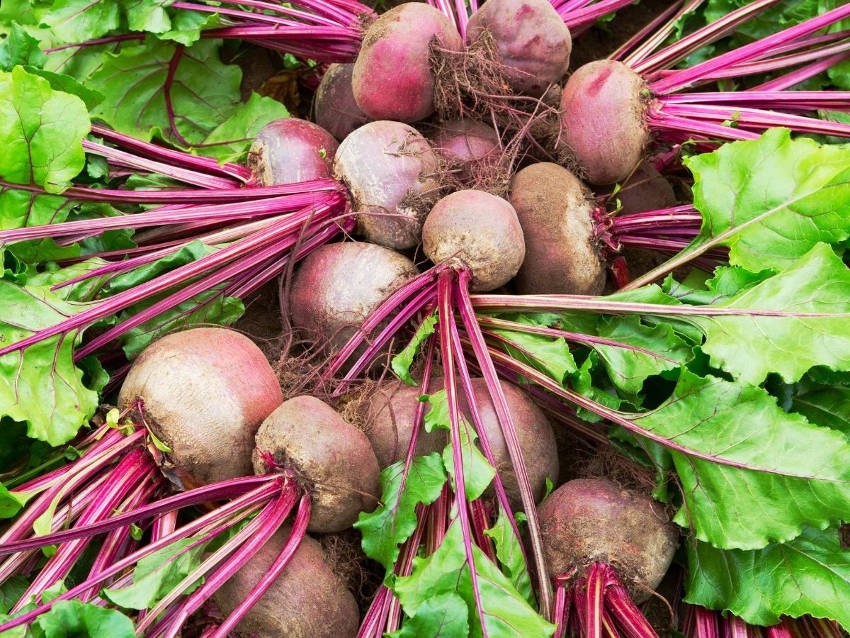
67,84
443,616
204,92
11,502
80,20
726,282
75,619
477,471
509,553
392,523
403,360
446,572
41,385
230,140
750,347
41,132
147,15
808,575
550,355
19,48
157,574
788,473
771,199
185,254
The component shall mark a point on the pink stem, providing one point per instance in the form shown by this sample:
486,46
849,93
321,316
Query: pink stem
590,14
641,44
797,76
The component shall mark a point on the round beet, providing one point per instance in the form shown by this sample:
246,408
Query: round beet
555,211
465,140
646,189
392,77
204,392
290,150
389,423
333,460
335,108
391,172
602,120
479,231
531,39
307,600
593,520
338,285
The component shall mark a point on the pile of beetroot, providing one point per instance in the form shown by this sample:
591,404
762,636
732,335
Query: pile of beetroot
398,459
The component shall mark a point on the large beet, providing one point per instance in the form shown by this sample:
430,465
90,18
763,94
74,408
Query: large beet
555,211
332,459
391,172
338,285
593,520
306,601
335,108
205,392
290,150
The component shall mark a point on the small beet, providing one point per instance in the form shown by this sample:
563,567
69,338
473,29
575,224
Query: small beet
532,40
479,231
555,211
338,285
465,141
602,120
204,392
335,108
332,459
391,172
290,150
392,77
593,520
307,600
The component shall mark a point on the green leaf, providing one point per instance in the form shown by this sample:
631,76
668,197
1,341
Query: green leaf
11,591
809,575
11,502
750,347
41,132
550,355
19,48
230,140
403,360
157,574
772,199
509,553
204,91
443,616
147,15
788,473
67,84
446,572
74,619
80,20
477,471
392,523
828,406
41,385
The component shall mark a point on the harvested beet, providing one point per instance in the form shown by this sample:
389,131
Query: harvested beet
290,150
391,172
335,108
204,393
392,77
531,39
593,520
465,141
602,120
555,211
338,285
479,231
307,600
332,459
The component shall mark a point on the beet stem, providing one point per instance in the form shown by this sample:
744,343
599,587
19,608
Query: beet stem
653,34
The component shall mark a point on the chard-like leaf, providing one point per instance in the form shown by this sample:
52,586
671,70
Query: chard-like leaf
825,405
446,572
550,355
510,555
751,347
204,92
809,575
81,20
11,502
75,619
402,362
41,132
157,574
41,385
19,48
394,520
230,140
443,616
751,473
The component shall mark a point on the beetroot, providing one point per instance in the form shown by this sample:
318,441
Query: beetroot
555,211
602,120
531,39
290,150
593,520
332,459
646,189
479,231
465,141
390,170
392,77
204,393
307,600
335,108
338,285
